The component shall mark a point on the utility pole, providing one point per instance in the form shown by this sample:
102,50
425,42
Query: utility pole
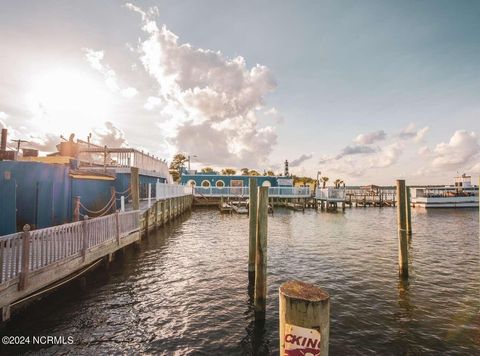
19,142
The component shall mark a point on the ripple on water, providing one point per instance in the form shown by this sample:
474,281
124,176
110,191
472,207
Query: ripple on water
186,291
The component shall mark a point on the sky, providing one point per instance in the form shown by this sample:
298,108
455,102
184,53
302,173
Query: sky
363,91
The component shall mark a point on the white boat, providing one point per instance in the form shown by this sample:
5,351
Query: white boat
460,195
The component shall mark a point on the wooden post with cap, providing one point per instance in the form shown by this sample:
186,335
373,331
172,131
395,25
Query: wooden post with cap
304,316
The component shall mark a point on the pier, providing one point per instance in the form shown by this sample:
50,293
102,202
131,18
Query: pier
33,262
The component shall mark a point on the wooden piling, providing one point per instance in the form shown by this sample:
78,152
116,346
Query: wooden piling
252,237
25,257
402,229
261,252
134,182
304,316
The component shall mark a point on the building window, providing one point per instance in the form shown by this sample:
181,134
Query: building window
205,184
266,184
220,183
191,183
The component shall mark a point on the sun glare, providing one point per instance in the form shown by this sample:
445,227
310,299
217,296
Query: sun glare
67,101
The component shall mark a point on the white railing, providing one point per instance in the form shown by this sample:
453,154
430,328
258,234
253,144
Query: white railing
164,191
276,192
330,194
57,243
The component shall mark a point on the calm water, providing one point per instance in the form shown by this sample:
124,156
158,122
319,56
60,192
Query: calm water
185,291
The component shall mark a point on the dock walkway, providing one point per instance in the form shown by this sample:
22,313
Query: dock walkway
33,260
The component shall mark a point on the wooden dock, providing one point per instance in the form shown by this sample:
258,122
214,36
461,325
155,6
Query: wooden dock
32,261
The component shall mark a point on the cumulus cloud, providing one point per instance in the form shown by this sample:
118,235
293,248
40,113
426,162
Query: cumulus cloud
370,137
462,147
45,143
275,115
96,61
355,150
208,102
110,135
410,132
298,161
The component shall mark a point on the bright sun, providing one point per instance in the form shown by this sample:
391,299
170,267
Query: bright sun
65,101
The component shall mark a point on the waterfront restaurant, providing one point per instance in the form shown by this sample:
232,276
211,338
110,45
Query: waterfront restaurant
214,179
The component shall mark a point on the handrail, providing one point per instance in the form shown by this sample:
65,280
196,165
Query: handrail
58,243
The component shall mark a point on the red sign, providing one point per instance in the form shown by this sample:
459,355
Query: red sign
301,341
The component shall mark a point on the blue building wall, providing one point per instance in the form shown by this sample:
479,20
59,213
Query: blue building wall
213,178
41,194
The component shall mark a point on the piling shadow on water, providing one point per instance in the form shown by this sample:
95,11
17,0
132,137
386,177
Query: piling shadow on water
255,341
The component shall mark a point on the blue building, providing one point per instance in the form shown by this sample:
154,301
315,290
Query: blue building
217,180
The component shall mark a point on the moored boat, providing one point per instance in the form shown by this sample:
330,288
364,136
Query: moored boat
460,195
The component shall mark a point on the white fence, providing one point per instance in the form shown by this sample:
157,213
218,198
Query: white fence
164,191
330,194
276,192
57,243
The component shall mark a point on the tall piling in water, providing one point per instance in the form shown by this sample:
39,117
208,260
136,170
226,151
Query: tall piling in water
304,316
402,229
261,252
252,234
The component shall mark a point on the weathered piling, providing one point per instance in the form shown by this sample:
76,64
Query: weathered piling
304,316
402,229
408,212
134,182
261,252
252,235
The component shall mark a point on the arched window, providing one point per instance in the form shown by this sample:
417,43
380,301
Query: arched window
205,184
191,183
220,183
266,184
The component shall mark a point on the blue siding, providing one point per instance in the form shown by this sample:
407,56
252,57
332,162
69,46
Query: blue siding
35,180
213,178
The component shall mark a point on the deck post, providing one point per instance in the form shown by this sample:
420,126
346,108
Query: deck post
402,229
122,203
147,221
408,212
304,314
117,227
252,238
23,280
85,237
76,208
149,195
164,211
114,201
156,215
6,312
134,182
261,252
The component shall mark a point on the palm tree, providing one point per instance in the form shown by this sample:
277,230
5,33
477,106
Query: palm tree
229,172
324,181
338,183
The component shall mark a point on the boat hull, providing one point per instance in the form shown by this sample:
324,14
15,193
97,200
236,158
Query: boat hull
446,202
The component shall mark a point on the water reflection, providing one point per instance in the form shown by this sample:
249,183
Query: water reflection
186,290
